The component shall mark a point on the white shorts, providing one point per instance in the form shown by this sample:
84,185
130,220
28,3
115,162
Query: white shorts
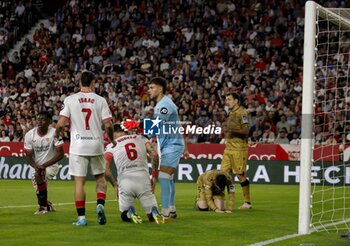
136,185
51,171
78,165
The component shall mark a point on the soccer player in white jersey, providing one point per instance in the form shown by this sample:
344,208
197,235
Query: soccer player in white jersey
87,112
42,152
130,158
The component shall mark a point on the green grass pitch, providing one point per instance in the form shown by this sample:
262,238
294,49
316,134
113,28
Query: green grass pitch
274,215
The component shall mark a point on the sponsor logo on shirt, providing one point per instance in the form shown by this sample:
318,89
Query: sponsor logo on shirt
164,110
78,137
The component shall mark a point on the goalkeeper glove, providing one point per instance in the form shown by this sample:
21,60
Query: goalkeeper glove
129,125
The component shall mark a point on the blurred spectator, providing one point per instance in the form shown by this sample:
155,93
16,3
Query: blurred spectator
4,136
282,137
268,135
295,139
283,124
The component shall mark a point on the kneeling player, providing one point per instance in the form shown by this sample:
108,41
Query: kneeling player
211,191
130,158
43,152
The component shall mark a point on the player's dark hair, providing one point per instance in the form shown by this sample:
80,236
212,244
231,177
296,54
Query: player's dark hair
220,181
117,128
46,113
234,96
86,78
159,81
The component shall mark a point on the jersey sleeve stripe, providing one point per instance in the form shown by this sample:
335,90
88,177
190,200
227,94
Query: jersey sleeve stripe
108,156
58,146
64,116
108,118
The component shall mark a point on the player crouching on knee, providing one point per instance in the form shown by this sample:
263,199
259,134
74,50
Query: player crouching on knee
211,192
130,159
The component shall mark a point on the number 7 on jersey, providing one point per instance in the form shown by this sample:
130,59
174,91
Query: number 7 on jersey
87,117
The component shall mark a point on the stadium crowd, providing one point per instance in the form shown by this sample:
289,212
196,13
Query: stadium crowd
203,48
16,17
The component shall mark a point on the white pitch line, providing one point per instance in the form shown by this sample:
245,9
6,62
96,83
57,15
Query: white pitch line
275,240
55,204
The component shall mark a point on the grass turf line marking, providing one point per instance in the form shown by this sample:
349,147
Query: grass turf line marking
278,239
275,240
55,204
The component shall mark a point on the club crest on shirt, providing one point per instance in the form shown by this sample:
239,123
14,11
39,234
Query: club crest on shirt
47,140
164,110
244,119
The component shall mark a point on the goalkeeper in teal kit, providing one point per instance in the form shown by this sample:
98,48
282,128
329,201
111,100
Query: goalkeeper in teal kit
170,142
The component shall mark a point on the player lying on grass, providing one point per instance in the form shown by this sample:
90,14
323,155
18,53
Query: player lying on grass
130,158
211,191
43,152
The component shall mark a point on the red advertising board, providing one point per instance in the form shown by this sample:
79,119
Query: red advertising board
281,152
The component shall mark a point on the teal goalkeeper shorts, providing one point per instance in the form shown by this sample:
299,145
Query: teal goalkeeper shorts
170,159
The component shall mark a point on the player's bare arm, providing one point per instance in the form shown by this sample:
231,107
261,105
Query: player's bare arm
109,131
58,156
39,173
62,122
155,163
108,172
109,176
29,155
154,156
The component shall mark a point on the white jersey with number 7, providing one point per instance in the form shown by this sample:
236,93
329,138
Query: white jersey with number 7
86,112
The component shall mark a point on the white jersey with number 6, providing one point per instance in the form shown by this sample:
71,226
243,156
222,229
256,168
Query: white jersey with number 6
129,154
86,112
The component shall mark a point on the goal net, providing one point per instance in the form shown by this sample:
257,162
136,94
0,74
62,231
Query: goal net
324,201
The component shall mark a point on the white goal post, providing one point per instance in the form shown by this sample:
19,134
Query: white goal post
319,57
